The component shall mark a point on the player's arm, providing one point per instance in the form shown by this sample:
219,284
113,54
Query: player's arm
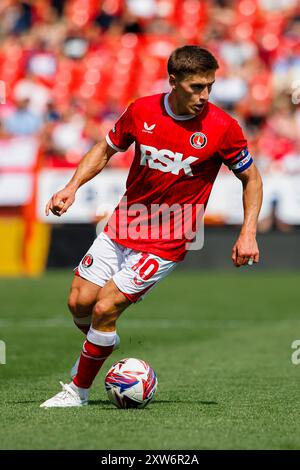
91,164
246,247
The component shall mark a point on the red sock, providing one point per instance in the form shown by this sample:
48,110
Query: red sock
91,359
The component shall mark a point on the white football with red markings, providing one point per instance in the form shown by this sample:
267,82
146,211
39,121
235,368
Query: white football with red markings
130,383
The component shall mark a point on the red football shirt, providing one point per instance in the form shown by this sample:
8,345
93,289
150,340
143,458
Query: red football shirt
176,161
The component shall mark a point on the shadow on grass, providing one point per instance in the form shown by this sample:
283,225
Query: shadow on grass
107,404
156,402
194,402
24,402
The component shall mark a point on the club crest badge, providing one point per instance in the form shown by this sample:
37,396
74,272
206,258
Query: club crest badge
87,261
198,140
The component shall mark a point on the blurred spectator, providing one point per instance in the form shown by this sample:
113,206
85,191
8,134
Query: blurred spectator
58,6
37,94
281,127
67,133
131,24
145,9
236,52
75,45
22,121
17,16
52,114
41,62
277,5
105,18
229,90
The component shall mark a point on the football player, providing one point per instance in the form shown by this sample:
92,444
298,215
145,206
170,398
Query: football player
181,141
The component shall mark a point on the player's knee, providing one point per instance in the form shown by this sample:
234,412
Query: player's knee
79,304
102,308
72,301
104,313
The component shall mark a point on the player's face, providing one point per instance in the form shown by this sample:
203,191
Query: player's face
192,92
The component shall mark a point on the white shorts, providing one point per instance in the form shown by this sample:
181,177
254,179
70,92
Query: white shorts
135,273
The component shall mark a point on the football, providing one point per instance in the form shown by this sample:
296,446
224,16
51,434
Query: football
131,383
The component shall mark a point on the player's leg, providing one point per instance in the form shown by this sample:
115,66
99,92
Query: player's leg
103,259
101,262
139,273
81,301
82,298
102,336
99,344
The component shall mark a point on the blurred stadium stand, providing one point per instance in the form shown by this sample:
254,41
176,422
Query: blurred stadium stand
71,67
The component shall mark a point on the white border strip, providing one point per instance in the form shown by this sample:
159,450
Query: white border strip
113,145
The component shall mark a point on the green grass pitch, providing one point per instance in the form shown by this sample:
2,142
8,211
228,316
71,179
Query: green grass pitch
220,344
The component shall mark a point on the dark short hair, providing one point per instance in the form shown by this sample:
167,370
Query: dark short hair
188,60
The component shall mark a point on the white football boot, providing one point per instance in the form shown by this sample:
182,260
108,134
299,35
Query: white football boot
70,396
74,369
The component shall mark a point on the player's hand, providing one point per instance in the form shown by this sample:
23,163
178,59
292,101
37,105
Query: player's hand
60,202
245,251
